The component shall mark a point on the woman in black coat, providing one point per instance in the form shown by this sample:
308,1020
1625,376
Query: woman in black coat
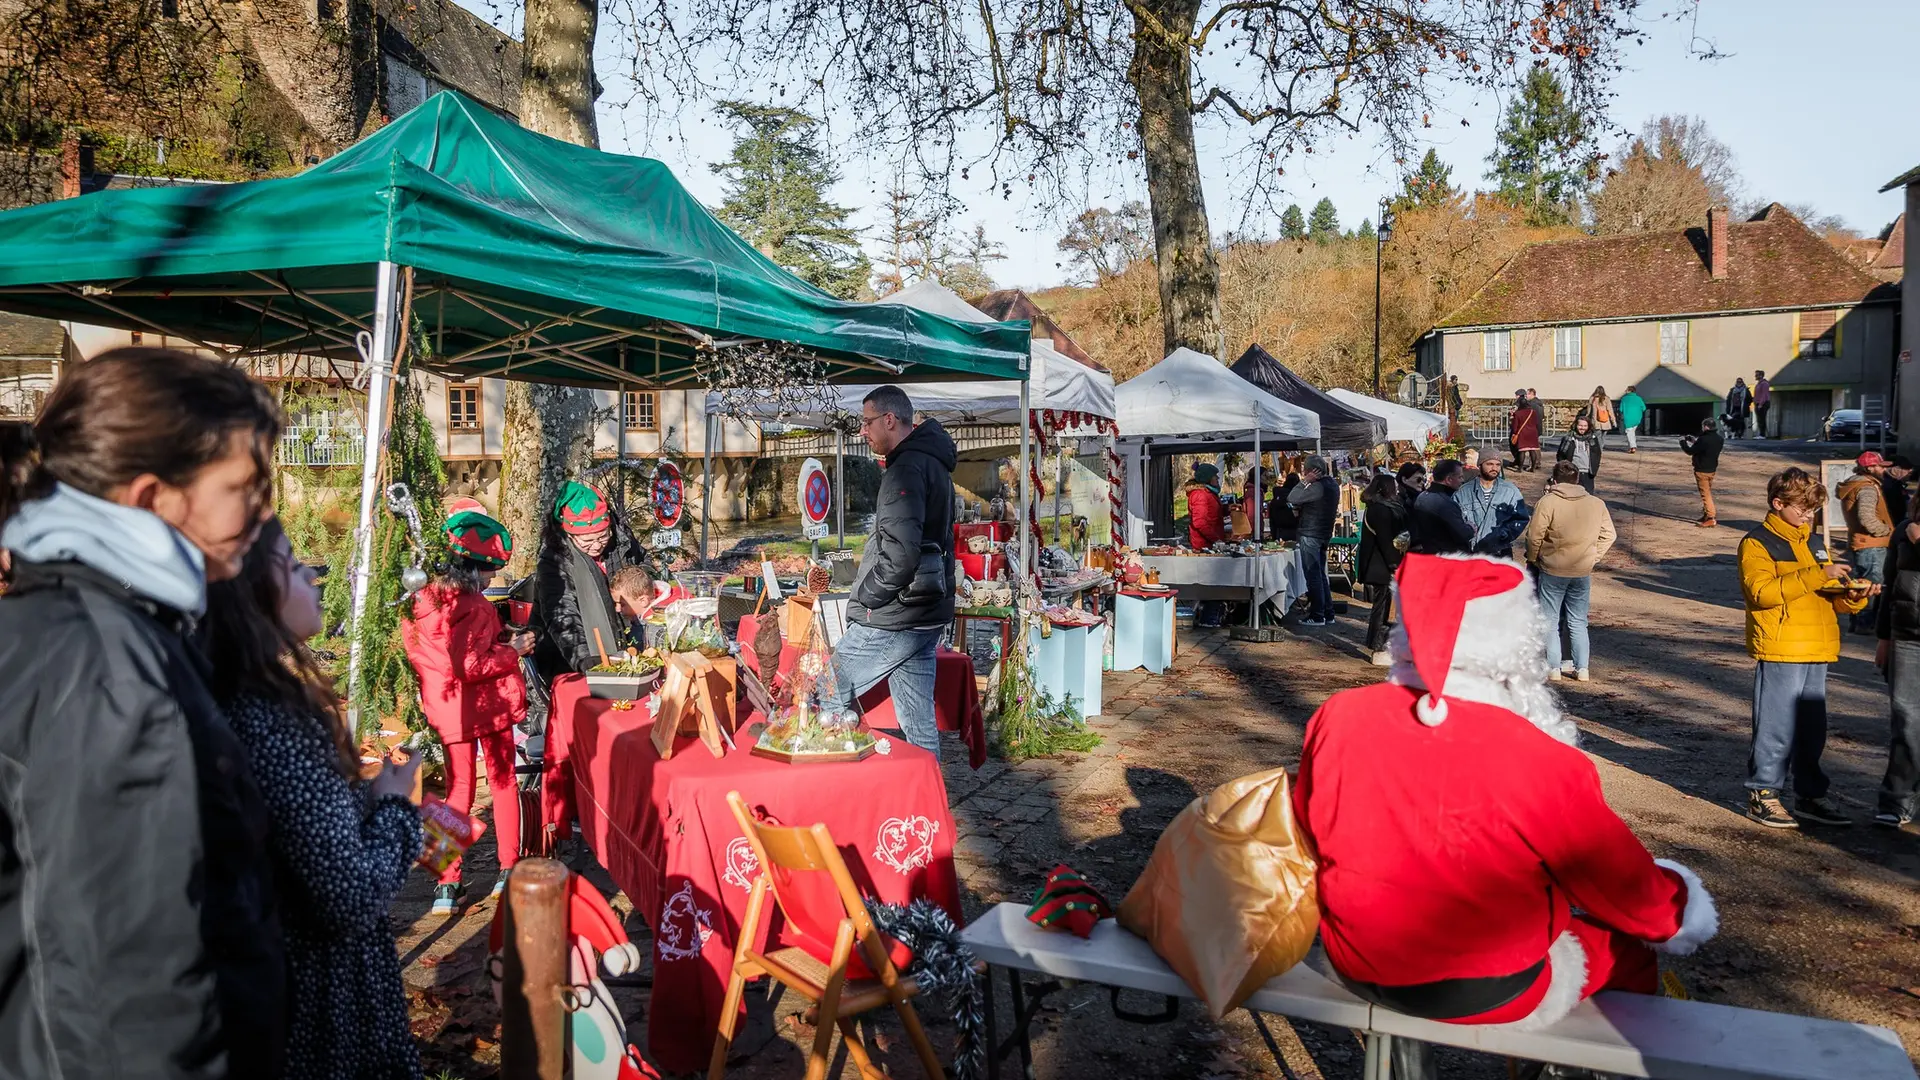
583,544
138,921
1386,518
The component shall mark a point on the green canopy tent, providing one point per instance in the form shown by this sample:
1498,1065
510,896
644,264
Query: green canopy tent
526,258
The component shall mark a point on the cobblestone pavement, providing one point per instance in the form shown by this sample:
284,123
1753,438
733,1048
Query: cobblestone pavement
1822,922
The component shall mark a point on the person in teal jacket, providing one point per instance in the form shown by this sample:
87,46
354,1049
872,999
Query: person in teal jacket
1633,409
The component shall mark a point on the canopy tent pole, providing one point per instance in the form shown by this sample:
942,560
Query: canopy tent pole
378,356
1255,517
1026,436
840,485
706,484
1059,482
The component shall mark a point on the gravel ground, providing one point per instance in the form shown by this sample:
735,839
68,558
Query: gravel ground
1822,922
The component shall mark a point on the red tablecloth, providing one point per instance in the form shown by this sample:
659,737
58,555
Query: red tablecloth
956,698
664,831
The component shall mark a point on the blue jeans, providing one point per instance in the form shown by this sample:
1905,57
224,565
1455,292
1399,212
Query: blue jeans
1789,728
903,659
1870,563
1565,601
1313,563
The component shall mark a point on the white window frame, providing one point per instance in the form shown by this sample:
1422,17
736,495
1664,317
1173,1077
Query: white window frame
1686,342
1496,350
1569,344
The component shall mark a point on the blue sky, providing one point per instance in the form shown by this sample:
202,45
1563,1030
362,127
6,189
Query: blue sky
1815,101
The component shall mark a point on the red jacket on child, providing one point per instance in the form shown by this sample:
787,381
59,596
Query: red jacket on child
470,681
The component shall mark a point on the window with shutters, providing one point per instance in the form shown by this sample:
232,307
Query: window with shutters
637,410
1566,347
1496,350
463,407
1674,343
1819,333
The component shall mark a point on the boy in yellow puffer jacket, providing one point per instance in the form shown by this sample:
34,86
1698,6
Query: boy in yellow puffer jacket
1793,632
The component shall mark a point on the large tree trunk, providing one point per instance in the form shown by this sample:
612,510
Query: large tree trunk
557,86
1161,73
546,435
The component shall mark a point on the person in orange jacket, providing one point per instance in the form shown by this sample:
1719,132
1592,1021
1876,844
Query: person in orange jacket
471,687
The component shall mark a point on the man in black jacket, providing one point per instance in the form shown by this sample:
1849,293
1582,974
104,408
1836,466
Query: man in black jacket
903,596
1317,501
1435,526
1704,449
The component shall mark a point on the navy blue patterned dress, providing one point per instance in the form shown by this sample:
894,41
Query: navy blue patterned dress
339,862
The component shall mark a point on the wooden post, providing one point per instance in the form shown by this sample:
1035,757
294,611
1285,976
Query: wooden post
533,1019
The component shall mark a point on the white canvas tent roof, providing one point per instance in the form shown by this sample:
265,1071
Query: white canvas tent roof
1192,399
1057,381
1404,424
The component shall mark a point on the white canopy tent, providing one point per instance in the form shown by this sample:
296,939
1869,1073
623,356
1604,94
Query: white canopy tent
1192,403
1056,382
1404,424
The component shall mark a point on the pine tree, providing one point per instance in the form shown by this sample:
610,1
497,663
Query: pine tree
777,183
1538,158
1430,185
1293,224
1365,231
1323,224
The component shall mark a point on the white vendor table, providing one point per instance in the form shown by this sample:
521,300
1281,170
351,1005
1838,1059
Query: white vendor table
1273,576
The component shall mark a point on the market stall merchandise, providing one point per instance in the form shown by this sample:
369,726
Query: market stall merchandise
956,700
1190,403
1404,424
1274,576
666,835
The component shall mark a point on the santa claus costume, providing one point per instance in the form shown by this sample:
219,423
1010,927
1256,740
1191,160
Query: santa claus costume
1470,868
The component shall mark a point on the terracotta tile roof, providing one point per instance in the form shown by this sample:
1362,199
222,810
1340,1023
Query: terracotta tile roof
23,337
1773,261
1893,255
1006,304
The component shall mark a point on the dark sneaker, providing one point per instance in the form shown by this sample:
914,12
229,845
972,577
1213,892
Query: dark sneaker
446,898
1314,620
1893,819
1764,807
1820,811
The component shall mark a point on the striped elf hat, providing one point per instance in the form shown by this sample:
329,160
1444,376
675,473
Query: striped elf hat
580,509
471,534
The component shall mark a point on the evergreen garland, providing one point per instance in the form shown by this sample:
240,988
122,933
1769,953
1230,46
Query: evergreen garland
389,689
1033,723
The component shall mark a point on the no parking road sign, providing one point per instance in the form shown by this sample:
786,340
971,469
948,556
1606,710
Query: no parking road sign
816,499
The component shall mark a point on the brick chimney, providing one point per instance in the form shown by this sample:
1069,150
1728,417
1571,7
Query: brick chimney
1717,242
69,165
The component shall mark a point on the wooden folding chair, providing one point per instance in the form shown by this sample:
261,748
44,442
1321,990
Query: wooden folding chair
839,999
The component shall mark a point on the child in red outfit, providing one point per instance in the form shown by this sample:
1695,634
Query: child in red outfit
470,683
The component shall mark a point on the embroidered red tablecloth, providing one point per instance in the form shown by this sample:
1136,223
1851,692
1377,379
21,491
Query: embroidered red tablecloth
664,832
956,698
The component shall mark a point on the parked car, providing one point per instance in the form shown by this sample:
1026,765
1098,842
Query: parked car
1844,426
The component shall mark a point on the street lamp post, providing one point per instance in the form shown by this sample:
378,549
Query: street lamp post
1379,245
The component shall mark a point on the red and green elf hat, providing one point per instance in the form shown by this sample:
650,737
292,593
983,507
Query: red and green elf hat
580,509
1066,900
471,534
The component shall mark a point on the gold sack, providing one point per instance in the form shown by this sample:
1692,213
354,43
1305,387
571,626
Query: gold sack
1228,898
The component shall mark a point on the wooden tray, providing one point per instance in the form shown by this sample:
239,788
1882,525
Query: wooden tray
791,758
610,687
